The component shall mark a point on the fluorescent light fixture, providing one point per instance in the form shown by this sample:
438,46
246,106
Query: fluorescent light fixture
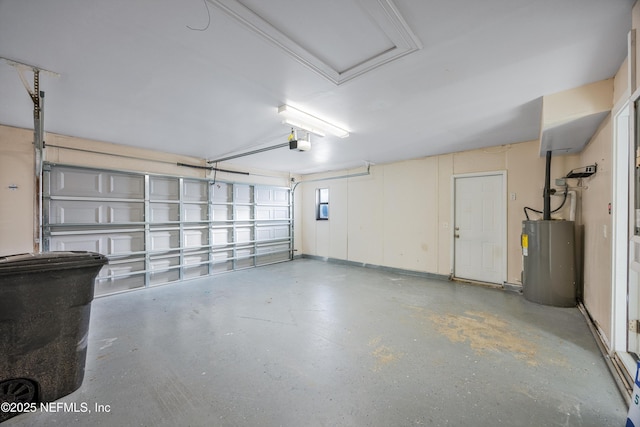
300,119
304,126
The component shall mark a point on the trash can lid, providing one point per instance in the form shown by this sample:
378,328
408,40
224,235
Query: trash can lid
48,261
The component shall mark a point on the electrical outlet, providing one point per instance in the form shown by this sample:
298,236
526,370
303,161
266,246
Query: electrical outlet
512,196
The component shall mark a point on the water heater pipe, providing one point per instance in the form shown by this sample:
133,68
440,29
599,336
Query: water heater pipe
546,212
572,212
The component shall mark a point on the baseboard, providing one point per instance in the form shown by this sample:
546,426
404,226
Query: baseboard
624,383
395,270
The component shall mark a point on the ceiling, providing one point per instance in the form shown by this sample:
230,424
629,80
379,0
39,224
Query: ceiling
205,78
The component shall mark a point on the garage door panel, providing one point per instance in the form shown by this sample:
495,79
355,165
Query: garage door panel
164,212
196,258
90,212
272,232
122,268
222,192
222,213
242,193
161,263
195,238
162,240
125,243
107,244
106,286
197,271
243,213
272,212
78,243
195,191
164,277
221,236
271,195
195,213
90,183
164,188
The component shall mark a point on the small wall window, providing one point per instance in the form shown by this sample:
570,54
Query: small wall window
322,203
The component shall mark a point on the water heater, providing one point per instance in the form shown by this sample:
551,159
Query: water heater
548,252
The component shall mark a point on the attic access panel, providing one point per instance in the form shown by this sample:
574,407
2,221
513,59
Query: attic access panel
338,39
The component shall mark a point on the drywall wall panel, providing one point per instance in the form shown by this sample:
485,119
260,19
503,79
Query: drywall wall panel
338,216
305,197
596,194
621,83
523,185
365,222
411,215
483,160
445,214
17,181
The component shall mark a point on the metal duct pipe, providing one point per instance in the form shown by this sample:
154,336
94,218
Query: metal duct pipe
546,212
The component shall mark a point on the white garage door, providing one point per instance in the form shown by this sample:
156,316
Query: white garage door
161,229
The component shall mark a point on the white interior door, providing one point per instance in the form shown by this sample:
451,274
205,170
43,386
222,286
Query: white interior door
480,228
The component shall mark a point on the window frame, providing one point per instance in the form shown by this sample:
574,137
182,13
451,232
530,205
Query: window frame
322,204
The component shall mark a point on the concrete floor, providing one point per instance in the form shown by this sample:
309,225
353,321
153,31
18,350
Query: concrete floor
308,343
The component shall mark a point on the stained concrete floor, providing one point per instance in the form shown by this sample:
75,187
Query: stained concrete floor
309,343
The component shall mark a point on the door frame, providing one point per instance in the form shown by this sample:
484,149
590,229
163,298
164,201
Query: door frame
503,175
623,213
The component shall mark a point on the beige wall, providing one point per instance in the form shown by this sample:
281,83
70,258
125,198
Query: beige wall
596,192
401,215
596,195
578,102
621,83
17,166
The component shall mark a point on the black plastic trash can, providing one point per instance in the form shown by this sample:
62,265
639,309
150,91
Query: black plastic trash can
45,304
